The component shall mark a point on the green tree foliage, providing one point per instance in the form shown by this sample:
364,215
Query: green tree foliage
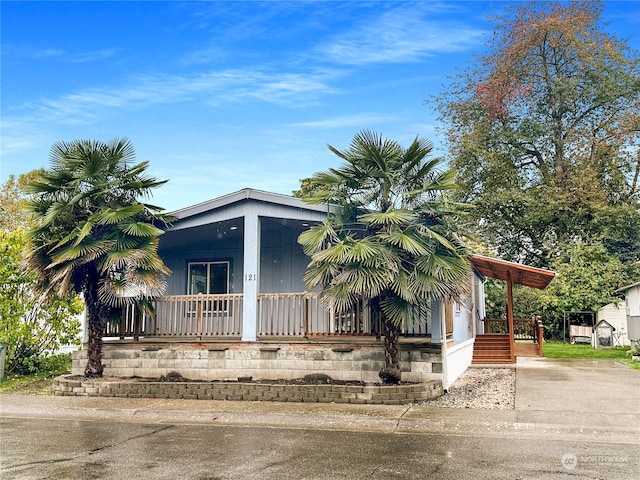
588,275
526,300
392,240
308,187
13,202
30,326
544,131
93,233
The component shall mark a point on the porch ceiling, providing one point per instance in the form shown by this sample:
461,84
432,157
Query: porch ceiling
520,274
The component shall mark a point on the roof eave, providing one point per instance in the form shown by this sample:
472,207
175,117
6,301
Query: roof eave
523,274
246,194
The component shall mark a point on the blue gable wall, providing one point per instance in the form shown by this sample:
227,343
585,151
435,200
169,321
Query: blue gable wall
282,261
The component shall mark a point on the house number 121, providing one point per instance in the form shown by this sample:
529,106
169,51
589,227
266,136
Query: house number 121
251,277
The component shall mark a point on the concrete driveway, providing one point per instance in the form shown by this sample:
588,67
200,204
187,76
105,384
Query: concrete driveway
593,393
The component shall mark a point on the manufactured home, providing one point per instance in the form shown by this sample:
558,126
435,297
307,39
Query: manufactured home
236,306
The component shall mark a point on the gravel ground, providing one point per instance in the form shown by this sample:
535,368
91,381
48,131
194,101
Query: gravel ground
490,388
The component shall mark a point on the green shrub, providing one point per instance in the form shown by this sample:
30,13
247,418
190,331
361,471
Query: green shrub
46,365
30,326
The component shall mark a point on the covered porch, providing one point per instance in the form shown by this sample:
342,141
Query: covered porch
236,305
201,337
500,341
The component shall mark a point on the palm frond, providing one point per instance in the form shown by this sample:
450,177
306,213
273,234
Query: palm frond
320,275
402,286
141,229
84,232
338,298
368,281
110,216
390,217
443,181
314,238
337,252
397,310
86,251
407,240
366,251
431,233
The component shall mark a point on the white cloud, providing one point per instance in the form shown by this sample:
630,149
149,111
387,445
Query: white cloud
230,85
93,56
347,121
35,53
399,35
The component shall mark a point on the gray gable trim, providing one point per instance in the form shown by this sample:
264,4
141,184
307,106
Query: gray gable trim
628,287
246,194
234,205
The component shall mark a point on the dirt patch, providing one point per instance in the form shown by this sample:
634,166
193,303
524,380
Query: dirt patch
312,379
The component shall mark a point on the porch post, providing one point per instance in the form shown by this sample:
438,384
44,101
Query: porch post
250,274
512,346
443,347
474,300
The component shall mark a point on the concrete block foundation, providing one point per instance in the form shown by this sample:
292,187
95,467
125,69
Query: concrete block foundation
262,361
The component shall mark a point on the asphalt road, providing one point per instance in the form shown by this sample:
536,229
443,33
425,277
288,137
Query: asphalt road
572,419
63,449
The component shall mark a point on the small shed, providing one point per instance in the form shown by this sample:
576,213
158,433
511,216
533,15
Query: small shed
616,315
604,332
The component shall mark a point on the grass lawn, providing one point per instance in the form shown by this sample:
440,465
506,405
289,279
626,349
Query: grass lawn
38,383
558,349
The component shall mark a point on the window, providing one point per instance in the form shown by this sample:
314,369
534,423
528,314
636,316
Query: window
209,278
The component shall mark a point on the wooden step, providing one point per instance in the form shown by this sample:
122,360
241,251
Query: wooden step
492,349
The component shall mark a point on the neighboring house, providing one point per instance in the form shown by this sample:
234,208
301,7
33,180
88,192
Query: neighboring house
615,315
236,306
631,294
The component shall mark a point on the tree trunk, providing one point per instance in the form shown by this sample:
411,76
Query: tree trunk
95,325
390,373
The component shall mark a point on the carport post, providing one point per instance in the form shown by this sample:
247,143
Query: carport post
512,346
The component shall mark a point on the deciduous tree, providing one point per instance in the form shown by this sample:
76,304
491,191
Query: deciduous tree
544,132
13,202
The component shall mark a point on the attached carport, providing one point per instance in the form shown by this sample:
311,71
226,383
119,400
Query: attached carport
512,273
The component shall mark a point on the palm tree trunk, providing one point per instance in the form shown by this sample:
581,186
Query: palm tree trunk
95,326
94,366
390,373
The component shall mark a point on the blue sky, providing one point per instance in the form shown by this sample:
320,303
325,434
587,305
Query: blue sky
220,96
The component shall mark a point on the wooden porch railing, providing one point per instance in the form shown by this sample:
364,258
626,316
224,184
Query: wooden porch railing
523,329
130,324
279,315
196,315
302,314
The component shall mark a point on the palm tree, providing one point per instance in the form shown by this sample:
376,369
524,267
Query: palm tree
391,240
93,234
